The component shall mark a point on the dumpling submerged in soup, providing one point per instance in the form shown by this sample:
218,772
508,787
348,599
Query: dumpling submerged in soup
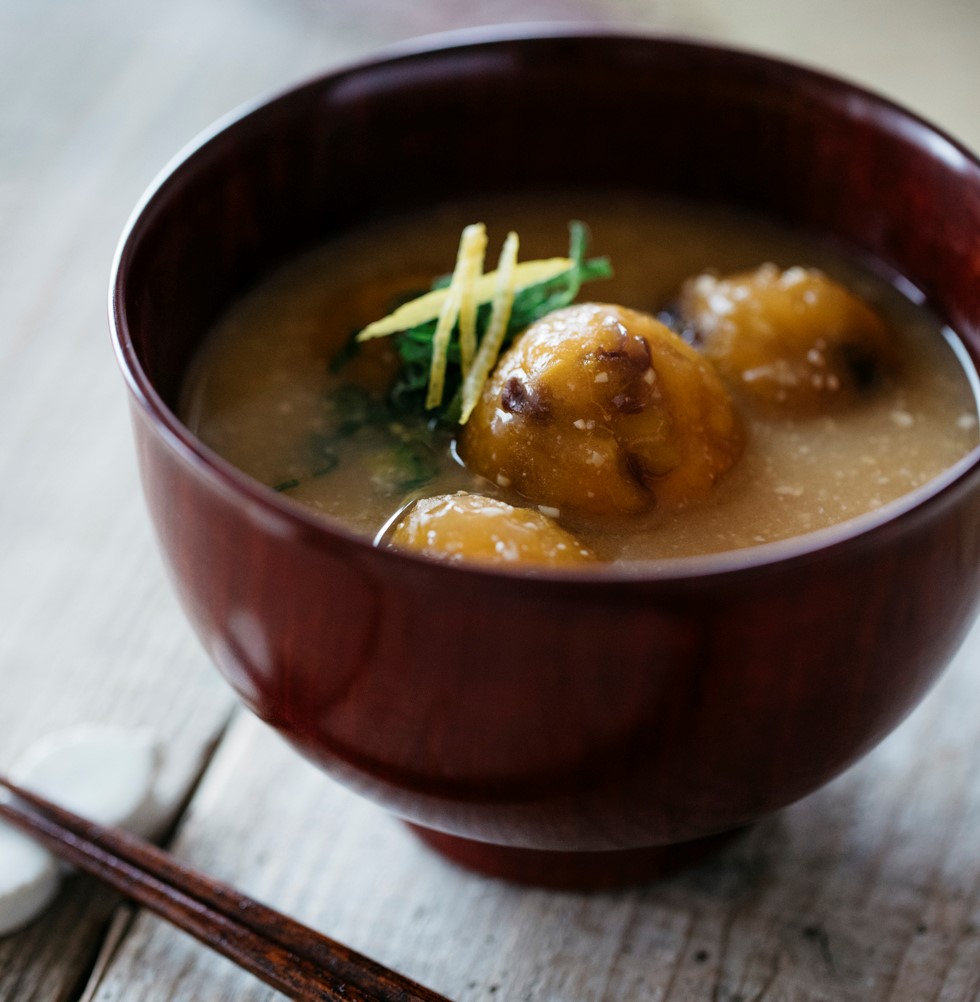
728,385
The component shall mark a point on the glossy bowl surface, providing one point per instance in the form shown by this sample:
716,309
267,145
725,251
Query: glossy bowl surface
586,713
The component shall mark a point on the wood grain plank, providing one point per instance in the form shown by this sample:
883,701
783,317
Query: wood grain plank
854,894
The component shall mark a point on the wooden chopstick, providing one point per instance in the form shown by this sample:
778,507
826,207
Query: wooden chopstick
285,954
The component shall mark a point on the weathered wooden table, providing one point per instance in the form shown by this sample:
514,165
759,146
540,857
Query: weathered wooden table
869,889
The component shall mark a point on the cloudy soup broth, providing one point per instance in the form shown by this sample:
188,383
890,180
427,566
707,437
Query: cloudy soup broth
272,389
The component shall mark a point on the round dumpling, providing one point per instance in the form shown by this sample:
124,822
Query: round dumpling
600,409
791,340
467,527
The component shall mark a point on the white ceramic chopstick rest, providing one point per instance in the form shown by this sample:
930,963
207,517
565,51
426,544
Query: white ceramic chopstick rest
105,774
29,879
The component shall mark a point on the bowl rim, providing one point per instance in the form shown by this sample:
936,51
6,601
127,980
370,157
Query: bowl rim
295,518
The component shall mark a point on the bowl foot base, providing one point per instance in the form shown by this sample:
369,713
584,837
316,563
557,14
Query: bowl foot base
572,870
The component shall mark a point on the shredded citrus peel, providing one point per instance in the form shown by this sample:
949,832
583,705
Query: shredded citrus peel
475,251
503,301
428,306
469,263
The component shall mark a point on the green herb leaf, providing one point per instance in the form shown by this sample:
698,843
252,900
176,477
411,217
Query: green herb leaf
404,467
407,395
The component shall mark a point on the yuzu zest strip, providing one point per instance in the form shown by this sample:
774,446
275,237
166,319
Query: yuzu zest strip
427,307
503,302
469,245
468,302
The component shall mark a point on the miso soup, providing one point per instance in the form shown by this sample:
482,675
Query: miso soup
274,392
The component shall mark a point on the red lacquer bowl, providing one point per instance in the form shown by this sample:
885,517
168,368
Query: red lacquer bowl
588,727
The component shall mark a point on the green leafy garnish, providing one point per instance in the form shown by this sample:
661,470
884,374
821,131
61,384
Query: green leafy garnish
530,303
401,460
405,466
